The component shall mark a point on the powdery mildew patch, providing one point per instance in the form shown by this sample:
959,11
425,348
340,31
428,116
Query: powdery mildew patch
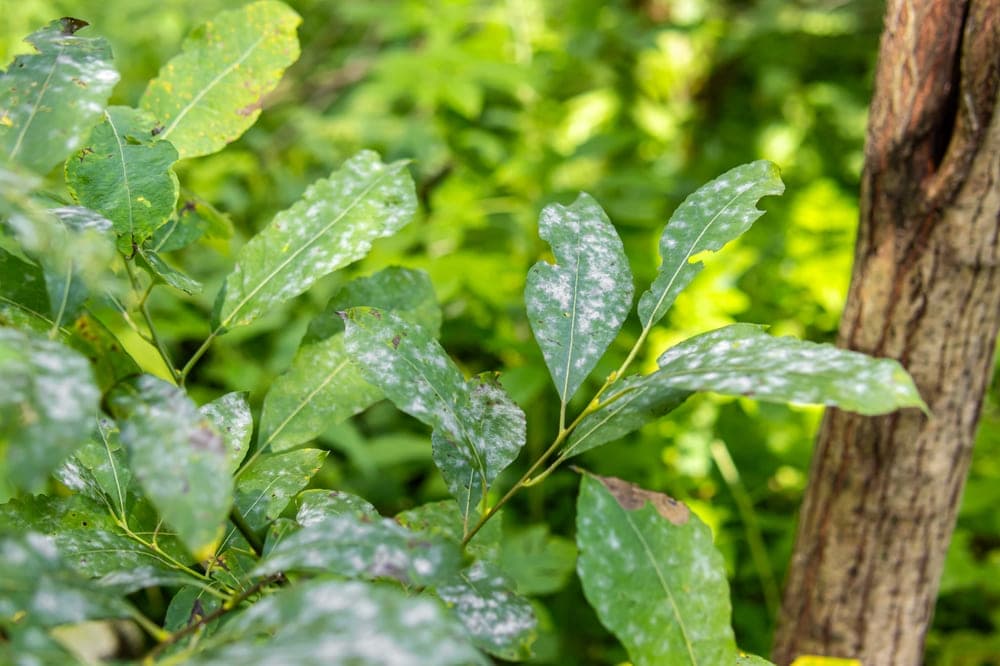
577,305
709,218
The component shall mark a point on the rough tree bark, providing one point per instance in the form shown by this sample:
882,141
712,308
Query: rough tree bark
884,492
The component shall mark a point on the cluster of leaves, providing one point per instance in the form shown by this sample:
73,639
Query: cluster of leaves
194,499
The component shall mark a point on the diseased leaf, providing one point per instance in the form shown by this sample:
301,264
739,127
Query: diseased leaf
445,519
28,645
322,387
577,306
650,571
40,589
632,403
178,457
70,277
314,506
478,430
213,91
341,623
265,488
355,546
537,562
98,468
496,429
125,173
167,274
231,416
744,360
49,99
332,225
90,540
47,405
499,621
188,606
709,218
24,299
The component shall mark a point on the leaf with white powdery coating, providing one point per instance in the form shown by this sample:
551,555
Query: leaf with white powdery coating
178,457
498,620
98,468
577,306
322,387
125,175
709,218
49,99
265,488
47,405
355,546
651,572
744,360
333,224
337,622
212,92
232,418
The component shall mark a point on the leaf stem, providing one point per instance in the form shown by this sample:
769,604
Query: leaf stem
227,607
148,318
182,375
148,625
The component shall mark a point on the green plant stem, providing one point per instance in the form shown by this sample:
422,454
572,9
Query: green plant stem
230,604
744,504
148,318
246,530
182,375
148,625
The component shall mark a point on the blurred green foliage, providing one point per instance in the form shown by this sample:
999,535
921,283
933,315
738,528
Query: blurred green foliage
504,107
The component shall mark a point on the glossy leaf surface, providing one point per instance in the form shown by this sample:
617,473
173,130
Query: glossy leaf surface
709,218
651,572
213,91
332,225
49,99
577,305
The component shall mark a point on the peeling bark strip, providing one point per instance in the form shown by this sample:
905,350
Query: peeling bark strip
884,492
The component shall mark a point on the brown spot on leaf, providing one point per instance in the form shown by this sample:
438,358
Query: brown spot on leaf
631,498
69,25
395,341
251,108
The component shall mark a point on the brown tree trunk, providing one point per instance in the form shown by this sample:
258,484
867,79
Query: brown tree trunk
884,492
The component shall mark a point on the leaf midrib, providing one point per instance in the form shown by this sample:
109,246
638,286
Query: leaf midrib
38,102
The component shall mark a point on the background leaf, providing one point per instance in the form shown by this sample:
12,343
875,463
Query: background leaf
50,99
213,91
577,306
744,360
179,459
126,175
342,622
537,562
322,387
267,485
333,224
47,405
652,574
709,218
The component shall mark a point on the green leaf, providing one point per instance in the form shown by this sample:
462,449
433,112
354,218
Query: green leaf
24,299
40,589
445,519
49,99
314,506
188,606
264,489
97,546
336,622
496,429
322,387
709,218
356,546
70,276
577,306
124,173
193,219
213,91
179,459
652,574
332,225
47,405
28,645
98,468
744,360
231,416
499,621
536,561
478,430
632,403
163,272
752,660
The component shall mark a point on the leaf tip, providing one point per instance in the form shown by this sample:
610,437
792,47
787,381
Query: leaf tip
632,498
